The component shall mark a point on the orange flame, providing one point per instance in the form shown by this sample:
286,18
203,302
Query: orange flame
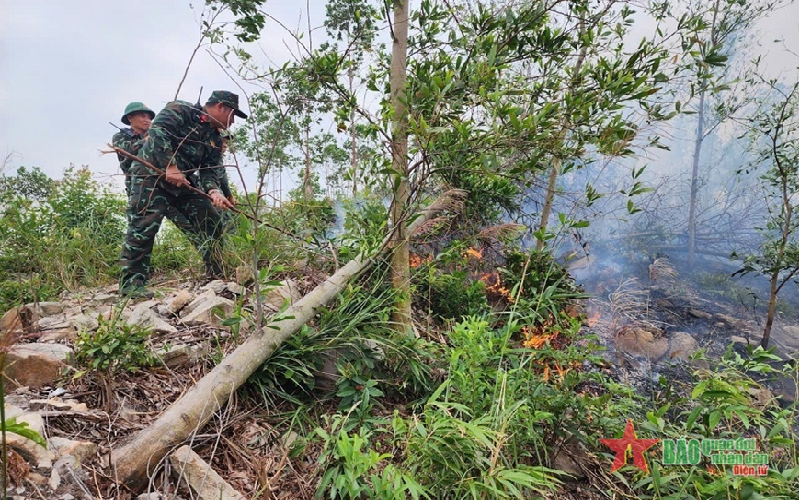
494,285
416,260
536,340
474,253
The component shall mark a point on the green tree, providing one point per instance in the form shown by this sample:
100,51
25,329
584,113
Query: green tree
709,33
30,184
775,137
351,23
492,95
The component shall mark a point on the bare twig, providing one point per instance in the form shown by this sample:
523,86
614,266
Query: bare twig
194,189
203,36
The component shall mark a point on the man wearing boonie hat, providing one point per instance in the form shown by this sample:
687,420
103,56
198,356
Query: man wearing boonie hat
184,138
140,117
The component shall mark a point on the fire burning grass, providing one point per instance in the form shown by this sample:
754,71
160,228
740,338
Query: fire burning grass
494,287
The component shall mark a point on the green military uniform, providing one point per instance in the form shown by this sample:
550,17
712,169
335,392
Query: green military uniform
181,134
130,141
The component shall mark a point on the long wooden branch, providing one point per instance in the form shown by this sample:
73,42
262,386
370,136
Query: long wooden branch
194,189
140,456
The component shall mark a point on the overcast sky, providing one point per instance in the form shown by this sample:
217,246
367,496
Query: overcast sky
67,68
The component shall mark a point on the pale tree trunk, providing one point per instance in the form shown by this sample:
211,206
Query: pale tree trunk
699,139
549,201
776,286
400,263
134,462
772,307
353,142
307,182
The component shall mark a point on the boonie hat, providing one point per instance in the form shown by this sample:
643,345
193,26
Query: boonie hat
133,108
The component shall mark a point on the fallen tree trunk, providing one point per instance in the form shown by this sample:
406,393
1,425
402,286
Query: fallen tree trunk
135,461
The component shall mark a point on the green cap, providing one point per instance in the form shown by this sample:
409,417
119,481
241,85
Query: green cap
228,99
133,108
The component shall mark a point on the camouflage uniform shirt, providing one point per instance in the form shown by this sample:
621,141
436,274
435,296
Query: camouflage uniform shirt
181,134
131,142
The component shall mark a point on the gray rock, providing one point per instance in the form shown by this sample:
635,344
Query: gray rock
787,336
84,323
36,365
277,297
30,451
81,451
696,313
47,308
728,321
145,317
180,355
59,335
640,342
216,286
163,311
57,404
104,298
180,301
209,312
791,330
197,302
682,345
236,289
57,322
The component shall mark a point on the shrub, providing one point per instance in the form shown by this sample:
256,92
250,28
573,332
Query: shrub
721,406
357,333
114,347
352,470
70,236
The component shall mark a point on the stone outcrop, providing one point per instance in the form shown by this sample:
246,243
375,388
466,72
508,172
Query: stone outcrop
41,353
682,345
31,451
208,310
639,341
35,365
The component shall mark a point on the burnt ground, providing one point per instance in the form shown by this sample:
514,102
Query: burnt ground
663,296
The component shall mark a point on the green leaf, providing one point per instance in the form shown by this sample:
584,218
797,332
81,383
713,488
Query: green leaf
23,429
692,418
715,417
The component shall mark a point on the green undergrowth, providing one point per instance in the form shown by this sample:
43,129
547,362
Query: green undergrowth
500,380
479,413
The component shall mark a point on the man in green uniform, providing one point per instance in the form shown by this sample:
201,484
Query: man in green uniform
140,117
184,138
